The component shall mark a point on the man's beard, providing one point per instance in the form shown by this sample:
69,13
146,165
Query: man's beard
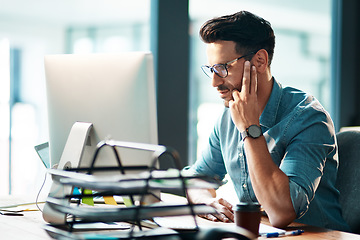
227,100
226,103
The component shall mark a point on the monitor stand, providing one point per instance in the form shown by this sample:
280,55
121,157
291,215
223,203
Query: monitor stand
70,158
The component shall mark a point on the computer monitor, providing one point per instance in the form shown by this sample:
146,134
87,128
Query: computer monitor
114,92
92,97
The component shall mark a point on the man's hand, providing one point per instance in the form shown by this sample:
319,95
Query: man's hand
208,197
224,209
244,107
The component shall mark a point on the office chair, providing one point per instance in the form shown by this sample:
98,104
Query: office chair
348,180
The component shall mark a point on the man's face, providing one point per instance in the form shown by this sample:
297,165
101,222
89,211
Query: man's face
223,52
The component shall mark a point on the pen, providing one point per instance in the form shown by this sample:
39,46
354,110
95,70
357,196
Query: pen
278,234
11,214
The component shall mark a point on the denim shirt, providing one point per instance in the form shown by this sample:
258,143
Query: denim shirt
301,140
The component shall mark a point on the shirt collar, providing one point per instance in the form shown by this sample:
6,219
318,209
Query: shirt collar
268,116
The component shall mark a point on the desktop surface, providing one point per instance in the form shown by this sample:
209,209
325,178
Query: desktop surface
30,226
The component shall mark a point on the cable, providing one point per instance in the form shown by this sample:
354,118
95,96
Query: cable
37,197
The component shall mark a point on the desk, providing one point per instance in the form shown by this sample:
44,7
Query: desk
30,227
312,232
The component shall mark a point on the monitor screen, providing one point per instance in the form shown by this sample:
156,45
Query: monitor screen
92,98
113,92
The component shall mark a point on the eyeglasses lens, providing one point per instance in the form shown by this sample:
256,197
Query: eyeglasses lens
220,70
207,70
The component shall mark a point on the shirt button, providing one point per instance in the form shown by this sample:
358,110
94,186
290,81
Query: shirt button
244,185
241,154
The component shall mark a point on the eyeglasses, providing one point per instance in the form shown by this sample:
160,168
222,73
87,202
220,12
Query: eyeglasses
221,69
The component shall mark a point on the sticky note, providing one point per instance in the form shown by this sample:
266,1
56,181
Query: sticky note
88,200
110,200
127,201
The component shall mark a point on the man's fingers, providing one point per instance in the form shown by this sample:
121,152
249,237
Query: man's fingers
209,217
225,211
246,78
216,218
253,85
225,203
235,94
223,218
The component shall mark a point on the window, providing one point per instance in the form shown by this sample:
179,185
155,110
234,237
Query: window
27,33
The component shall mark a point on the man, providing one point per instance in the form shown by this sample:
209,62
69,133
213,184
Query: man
277,144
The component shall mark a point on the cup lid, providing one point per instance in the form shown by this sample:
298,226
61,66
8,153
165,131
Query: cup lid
249,206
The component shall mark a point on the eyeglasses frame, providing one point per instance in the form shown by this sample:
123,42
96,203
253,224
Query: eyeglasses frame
223,64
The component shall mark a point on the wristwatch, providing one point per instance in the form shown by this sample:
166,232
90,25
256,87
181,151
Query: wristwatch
254,131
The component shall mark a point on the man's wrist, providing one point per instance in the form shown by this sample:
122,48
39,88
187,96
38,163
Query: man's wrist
254,131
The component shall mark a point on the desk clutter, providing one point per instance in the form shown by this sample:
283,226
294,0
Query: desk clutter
123,205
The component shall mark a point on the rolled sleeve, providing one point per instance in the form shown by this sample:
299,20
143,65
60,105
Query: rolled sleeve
299,199
305,159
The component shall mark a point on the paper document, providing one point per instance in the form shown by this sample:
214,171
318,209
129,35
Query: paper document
269,229
187,222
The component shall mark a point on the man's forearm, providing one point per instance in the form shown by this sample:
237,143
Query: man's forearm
270,184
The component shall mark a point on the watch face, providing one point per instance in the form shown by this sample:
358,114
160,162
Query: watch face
254,131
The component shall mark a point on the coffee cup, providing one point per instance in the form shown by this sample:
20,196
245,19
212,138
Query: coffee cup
248,215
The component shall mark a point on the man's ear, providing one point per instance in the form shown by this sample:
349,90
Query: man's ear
261,60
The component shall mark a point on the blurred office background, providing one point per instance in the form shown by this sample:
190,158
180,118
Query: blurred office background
313,52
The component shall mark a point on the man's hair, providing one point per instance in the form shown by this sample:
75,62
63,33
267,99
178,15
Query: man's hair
250,32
